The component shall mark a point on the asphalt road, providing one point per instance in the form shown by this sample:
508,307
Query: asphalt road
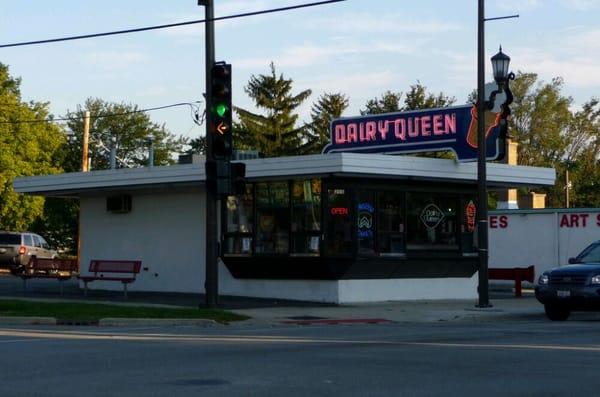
518,358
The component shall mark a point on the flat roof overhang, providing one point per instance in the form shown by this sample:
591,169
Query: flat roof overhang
336,164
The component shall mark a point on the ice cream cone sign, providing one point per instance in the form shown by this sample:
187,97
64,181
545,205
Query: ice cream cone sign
492,120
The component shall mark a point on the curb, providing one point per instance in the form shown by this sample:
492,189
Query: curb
110,322
119,322
27,321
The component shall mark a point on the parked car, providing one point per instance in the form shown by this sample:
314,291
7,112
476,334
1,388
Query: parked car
574,287
16,249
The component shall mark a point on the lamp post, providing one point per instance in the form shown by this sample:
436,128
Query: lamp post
500,64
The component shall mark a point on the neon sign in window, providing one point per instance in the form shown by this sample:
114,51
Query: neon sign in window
340,211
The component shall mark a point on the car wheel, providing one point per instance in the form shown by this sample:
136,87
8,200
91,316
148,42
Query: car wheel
557,313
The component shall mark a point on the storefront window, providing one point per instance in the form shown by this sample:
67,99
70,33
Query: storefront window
273,218
431,221
366,224
238,232
306,216
340,226
390,210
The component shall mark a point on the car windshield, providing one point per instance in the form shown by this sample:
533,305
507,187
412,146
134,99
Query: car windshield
590,255
10,239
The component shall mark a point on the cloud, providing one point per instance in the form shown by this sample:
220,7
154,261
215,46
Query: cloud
356,82
309,54
575,57
580,71
360,23
114,60
224,9
581,5
519,5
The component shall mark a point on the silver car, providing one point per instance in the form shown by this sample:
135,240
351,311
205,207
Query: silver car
16,249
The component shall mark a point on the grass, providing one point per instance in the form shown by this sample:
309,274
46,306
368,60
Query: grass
68,311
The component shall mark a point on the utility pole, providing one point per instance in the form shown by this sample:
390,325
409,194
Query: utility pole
85,161
482,213
567,188
211,283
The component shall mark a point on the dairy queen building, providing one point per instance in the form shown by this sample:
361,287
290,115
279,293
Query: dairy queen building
353,224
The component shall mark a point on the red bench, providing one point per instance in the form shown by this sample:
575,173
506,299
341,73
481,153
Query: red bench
60,269
518,274
112,270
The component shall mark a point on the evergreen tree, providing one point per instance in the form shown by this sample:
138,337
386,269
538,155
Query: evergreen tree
417,98
388,103
327,108
273,133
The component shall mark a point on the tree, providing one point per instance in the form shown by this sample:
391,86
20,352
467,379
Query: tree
388,103
540,119
416,98
551,134
29,145
130,129
274,133
327,108
583,155
197,145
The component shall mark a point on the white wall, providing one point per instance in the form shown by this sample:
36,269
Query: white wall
355,291
163,230
543,238
528,239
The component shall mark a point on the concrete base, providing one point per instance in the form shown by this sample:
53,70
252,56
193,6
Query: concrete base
350,291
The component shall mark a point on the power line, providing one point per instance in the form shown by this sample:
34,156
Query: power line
192,105
170,25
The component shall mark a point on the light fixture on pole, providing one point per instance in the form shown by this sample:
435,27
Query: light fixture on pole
500,66
500,63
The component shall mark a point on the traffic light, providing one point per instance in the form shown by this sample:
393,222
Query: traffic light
238,178
221,109
218,177
225,178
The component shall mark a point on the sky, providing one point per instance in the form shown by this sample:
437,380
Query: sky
360,48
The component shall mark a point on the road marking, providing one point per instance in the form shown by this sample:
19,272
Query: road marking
28,335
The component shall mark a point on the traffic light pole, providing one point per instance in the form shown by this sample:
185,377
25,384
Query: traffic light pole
211,283
482,213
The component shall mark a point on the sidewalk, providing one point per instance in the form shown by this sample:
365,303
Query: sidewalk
279,312
504,308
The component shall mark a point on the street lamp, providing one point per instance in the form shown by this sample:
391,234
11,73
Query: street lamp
500,65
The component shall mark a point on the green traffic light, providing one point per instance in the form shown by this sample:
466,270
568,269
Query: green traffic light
221,109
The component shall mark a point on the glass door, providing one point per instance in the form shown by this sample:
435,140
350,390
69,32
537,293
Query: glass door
339,227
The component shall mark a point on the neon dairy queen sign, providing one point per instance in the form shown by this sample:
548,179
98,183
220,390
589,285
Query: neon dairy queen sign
452,128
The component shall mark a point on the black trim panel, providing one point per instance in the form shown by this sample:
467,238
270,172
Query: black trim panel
317,268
